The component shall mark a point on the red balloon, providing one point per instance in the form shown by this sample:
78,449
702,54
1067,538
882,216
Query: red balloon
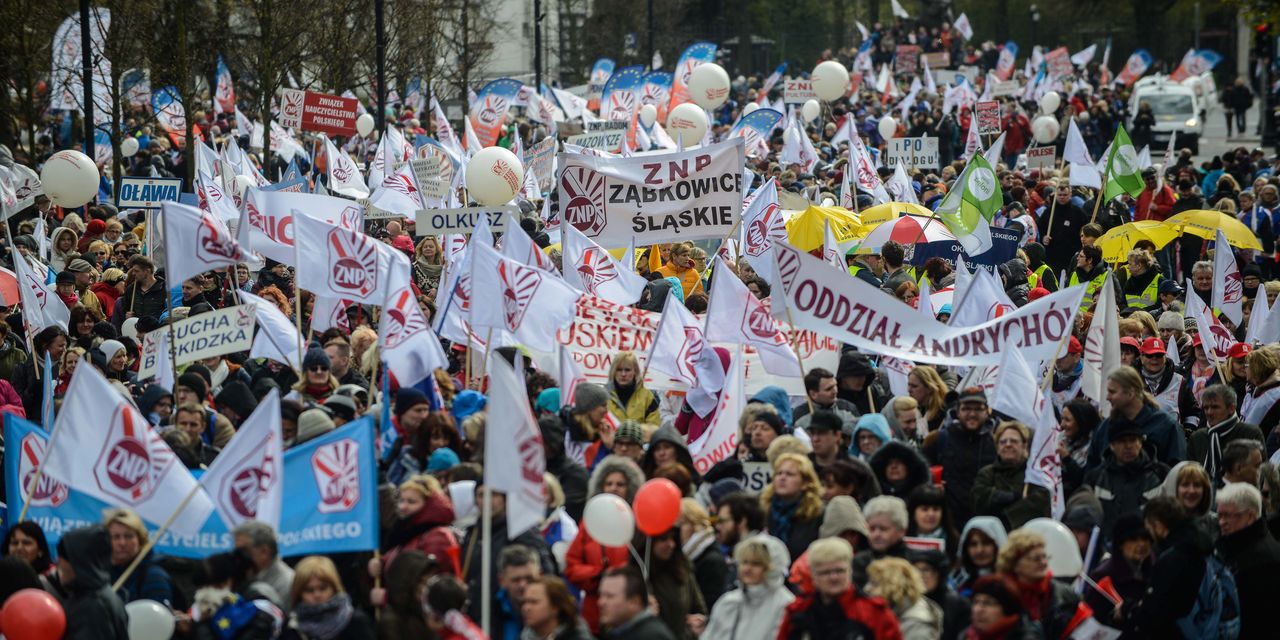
657,506
34,614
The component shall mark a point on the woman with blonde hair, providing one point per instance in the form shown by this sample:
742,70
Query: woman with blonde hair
898,582
128,537
629,399
754,610
680,267
424,514
793,503
1188,482
319,608
428,265
927,387
698,538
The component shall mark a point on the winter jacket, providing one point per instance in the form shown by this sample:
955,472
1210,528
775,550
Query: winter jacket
710,570
677,598
402,617
668,433
10,401
1016,286
148,582
853,363
863,559
586,560
1130,584
500,538
1174,584
920,620
360,627
93,610
1254,559
1059,606
12,354
576,631
105,293
1124,488
961,453
999,491
965,575
427,531
1207,444
754,612
862,617
1164,439
640,405
644,626
917,468
572,476
142,302
801,533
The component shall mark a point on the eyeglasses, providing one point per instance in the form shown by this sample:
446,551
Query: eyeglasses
318,369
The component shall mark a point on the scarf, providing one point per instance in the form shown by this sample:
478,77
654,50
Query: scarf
1000,630
625,392
698,543
1151,380
780,515
326,620
1216,432
1034,595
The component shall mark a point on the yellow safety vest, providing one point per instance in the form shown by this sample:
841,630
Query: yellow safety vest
1089,291
1149,296
1043,273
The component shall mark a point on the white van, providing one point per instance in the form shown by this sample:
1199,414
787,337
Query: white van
1176,107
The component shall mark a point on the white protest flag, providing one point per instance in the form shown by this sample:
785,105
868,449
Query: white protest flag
399,192
930,83
569,376
591,269
1082,171
831,252
378,166
340,263
206,159
518,246
277,338
1144,157
972,143
1228,288
103,447
344,176
962,25
1215,338
453,300
792,148
844,134
678,344
407,344
212,197
271,224
983,300
899,186
743,320
444,130
763,223
1171,350
41,307
243,163
992,154
1084,56
848,194
719,440
1270,331
471,141
867,178
924,301
198,242
246,480
1101,347
898,11
513,453
329,313
510,289
1018,395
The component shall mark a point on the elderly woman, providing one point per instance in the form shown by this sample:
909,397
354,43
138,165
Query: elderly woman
895,580
793,503
128,537
754,610
999,490
319,608
1053,604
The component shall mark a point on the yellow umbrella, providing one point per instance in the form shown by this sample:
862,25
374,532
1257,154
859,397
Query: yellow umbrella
1206,223
806,229
874,216
1117,242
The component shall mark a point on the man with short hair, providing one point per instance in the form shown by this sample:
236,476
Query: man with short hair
739,517
339,352
501,539
1241,461
624,607
1222,426
1062,240
822,391
144,296
191,420
825,428
260,540
894,273
517,568
1181,551
963,446
1253,555
1089,269
84,273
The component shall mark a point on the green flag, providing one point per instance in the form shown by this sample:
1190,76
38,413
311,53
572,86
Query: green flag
969,206
1123,175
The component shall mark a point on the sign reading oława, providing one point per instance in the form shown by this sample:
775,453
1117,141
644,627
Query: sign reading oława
692,195
311,111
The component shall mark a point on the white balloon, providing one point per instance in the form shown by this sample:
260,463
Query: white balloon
1050,101
810,111
364,124
830,80
149,620
609,520
1045,129
648,114
242,183
70,178
128,147
689,122
887,127
709,85
751,106
1061,546
494,176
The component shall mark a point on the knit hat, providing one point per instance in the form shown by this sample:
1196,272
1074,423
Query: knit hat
588,396
96,227
312,424
1073,345
408,398
442,459
466,403
631,431
147,324
195,383
824,420
237,396
129,328
1171,320
1001,589
65,277
341,407
109,348
1128,527
79,266
779,427
316,357
548,400
722,489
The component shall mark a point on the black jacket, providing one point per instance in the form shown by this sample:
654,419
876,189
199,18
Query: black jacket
142,302
917,468
1174,584
94,611
572,476
1124,488
1254,559
961,453
530,538
359,628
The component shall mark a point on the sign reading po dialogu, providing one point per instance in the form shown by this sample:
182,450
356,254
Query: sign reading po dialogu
912,153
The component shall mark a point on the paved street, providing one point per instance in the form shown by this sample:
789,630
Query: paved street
1215,141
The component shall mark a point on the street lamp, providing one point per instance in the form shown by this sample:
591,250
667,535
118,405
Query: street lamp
1035,24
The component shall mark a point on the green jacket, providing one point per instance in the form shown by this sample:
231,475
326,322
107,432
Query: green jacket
999,491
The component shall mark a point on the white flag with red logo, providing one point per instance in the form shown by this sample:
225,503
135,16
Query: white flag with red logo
1228,288
763,223
513,455
344,175
329,313
518,246
742,319
246,480
277,338
1216,338
570,376
103,447
41,307
1101,347
212,197
399,192
270,214
832,254
682,351
444,130
340,263
1017,394
510,290
591,269
720,440
408,345
198,242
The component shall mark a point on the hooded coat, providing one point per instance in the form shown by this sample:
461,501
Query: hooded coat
754,612
961,453
668,433
853,363
877,426
963,577
917,468
586,560
1016,286
93,610
426,531
572,476
657,291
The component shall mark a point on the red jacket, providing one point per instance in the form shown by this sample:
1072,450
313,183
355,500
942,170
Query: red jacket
1160,211
585,563
10,401
427,531
871,612
106,293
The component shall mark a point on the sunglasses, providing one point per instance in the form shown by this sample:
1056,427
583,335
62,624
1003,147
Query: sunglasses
318,368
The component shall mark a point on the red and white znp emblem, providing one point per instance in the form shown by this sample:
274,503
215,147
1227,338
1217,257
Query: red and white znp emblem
1233,291
493,111
404,319
336,467
759,325
518,286
584,208
690,352
342,168
241,490
49,492
764,229
134,459
622,105
213,245
353,260
351,219
595,270
788,268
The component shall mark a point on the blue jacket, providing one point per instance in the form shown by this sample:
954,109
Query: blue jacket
1164,439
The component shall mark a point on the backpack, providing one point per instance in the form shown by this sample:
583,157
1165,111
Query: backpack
1215,615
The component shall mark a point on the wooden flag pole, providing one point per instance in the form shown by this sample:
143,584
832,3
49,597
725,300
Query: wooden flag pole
151,540
799,361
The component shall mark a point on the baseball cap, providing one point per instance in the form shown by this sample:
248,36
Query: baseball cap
1239,350
1130,341
973,394
1074,346
1152,346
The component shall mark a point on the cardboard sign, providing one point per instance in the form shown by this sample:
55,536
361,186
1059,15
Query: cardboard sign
937,60
1058,63
606,125
798,91
758,475
204,336
912,153
435,176
1040,157
462,220
326,113
541,159
988,115
147,193
1002,88
906,59
600,140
